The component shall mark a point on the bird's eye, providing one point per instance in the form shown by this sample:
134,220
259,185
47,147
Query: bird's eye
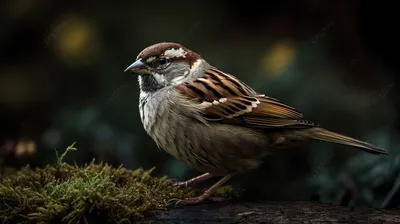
162,61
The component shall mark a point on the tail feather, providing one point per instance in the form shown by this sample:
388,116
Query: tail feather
325,135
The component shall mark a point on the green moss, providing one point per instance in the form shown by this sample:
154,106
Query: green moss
89,194
226,192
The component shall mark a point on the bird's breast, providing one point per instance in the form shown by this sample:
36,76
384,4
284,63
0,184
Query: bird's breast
210,147
160,120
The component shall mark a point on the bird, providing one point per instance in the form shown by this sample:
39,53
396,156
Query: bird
214,122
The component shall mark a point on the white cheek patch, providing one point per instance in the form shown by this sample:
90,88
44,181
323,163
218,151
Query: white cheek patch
175,53
160,78
178,80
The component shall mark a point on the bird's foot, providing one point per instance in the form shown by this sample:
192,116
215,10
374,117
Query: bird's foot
206,195
193,181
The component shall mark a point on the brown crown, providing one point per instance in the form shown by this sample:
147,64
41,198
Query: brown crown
159,49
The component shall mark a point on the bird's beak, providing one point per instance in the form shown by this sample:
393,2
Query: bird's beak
137,66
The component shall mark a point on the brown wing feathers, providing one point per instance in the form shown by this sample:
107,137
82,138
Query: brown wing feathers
276,109
231,101
227,97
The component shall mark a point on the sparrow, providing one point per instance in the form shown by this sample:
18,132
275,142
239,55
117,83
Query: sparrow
214,122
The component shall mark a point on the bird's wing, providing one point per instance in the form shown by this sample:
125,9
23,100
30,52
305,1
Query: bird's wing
227,99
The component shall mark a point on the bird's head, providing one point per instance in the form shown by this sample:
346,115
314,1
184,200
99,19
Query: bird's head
166,64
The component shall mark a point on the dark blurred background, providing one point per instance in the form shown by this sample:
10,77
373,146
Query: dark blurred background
62,81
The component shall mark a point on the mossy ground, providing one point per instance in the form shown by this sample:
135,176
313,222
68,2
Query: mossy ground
93,193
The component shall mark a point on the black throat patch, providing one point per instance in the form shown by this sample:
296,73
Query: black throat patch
149,84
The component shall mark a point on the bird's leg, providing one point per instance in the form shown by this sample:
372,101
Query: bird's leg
194,180
205,195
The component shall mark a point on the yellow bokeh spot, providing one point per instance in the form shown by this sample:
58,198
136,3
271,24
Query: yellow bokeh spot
74,40
278,58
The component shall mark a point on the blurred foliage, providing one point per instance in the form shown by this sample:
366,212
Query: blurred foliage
62,80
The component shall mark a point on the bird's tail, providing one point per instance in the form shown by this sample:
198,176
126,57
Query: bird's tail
325,135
